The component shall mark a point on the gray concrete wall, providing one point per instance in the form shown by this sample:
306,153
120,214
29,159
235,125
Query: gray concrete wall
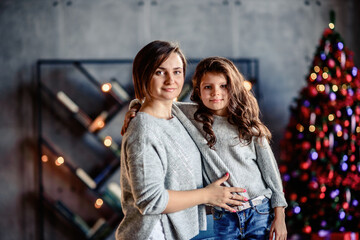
282,34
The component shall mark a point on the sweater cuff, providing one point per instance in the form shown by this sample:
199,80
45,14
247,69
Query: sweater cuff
278,200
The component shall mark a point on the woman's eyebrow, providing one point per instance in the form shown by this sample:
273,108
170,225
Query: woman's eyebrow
163,68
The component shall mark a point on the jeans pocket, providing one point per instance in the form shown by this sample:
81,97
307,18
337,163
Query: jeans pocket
217,214
263,208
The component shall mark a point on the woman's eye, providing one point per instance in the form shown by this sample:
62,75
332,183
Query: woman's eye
223,86
159,73
177,72
207,87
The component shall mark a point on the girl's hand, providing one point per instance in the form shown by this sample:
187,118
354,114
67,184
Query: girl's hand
128,116
278,227
221,196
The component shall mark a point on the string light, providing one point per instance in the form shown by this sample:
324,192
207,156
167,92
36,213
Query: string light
313,76
44,158
320,87
300,127
331,25
98,203
325,75
107,141
106,87
59,161
247,85
312,128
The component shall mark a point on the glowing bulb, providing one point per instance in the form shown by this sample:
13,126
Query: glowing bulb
320,87
107,141
349,111
100,124
340,45
342,215
247,85
344,166
317,69
331,117
331,25
312,128
313,76
98,203
325,75
59,161
334,193
332,96
297,210
106,87
354,71
335,88
314,155
300,127
44,158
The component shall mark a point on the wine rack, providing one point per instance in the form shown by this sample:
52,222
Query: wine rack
80,105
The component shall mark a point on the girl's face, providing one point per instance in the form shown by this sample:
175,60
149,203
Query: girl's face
214,93
168,79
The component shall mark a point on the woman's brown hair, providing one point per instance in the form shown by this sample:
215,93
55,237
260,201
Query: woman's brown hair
243,107
147,60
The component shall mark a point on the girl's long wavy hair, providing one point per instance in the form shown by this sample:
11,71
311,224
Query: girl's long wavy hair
243,107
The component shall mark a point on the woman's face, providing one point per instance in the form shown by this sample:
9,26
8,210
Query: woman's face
214,93
168,79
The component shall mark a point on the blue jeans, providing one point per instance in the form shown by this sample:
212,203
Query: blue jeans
251,223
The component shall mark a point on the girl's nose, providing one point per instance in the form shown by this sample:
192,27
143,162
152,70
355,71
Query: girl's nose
215,91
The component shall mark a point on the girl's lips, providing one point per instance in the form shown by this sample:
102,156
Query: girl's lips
216,100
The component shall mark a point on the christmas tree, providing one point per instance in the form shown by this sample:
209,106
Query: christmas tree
320,150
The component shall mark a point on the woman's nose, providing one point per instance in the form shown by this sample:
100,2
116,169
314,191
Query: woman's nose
169,79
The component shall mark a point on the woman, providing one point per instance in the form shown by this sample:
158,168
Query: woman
161,168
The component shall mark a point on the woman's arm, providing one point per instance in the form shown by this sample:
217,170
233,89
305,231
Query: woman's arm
145,170
213,194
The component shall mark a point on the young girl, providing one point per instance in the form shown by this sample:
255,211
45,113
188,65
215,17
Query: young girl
227,115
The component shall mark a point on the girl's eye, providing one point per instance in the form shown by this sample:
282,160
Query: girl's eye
207,87
223,86
177,72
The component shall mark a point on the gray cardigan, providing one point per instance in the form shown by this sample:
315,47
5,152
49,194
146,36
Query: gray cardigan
157,155
252,166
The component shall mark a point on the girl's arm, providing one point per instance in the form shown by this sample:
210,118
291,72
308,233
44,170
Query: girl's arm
270,171
278,226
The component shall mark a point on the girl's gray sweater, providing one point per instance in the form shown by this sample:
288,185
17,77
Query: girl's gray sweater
156,155
252,166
